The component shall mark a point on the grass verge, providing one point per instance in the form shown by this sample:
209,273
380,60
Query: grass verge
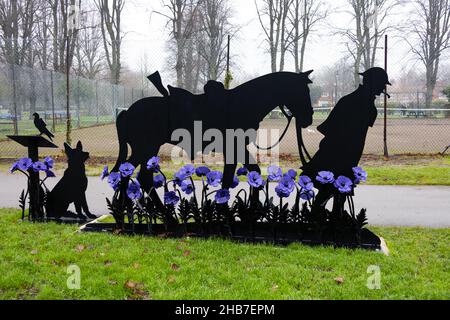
34,259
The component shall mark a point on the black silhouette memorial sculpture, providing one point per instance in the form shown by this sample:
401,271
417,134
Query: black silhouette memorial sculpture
34,189
149,122
42,126
345,132
71,188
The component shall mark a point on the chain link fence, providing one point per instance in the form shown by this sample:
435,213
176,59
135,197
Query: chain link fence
94,104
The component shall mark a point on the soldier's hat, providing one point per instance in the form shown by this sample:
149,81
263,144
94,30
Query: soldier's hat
376,74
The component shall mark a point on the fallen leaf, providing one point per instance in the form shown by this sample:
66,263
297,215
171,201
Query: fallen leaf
34,251
108,263
130,284
112,282
339,280
137,291
171,279
186,253
274,288
136,265
80,247
174,266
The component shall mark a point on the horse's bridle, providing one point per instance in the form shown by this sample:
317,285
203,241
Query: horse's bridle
302,150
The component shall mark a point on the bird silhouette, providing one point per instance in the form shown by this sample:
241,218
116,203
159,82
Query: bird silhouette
42,126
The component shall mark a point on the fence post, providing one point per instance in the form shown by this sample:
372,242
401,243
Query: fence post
112,97
78,103
124,97
53,101
15,123
96,100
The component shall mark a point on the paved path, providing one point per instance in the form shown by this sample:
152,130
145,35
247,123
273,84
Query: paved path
427,206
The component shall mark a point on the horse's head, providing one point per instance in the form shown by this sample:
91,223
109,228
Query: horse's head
300,104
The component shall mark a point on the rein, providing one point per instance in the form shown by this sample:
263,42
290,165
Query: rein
304,154
289,117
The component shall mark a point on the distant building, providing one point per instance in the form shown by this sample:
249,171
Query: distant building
325,101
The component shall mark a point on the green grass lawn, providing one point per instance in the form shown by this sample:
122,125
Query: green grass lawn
432,170
408,170
34,260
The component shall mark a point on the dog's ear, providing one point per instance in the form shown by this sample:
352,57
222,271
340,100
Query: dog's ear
79,146
67,148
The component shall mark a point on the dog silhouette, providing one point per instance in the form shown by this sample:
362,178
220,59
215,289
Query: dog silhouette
71,187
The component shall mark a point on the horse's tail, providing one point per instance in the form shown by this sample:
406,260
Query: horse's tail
121,125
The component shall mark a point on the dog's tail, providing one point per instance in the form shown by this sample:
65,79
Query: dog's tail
121,125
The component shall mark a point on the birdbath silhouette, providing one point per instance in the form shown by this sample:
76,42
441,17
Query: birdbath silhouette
33,143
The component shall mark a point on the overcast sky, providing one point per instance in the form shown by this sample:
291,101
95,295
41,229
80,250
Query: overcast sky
146,35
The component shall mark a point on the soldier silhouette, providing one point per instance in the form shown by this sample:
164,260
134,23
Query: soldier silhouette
345,132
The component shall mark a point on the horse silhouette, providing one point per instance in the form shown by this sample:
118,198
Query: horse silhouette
150,122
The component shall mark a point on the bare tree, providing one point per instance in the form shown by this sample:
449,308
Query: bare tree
89,53
429,38
304,16
183,18
110,14
370,24
272,17
215,28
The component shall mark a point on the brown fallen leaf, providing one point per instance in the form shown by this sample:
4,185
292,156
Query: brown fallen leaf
137,291
186,253
108,263
171,279
339,280
174,266
80,248
130,284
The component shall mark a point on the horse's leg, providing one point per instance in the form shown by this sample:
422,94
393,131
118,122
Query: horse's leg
252,165
228,175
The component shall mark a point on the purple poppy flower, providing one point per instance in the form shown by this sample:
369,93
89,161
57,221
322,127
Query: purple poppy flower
274,173
307,195
126,169
114,180
242,171
360,175
202,171
24,164
171,198
292,173
254,179
153,164
343,184
158,181
235,182
178,177
14,167
222,196
49,162
325,177
214,178
186,172
39,166
50,174
281,191
187,187
134,190
305,182
104,173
